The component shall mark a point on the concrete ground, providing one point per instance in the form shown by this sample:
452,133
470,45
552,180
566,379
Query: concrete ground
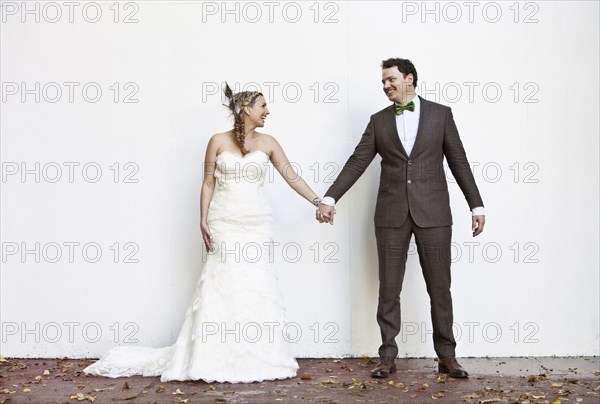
492,380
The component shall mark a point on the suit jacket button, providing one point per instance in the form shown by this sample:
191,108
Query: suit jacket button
410,162
409,182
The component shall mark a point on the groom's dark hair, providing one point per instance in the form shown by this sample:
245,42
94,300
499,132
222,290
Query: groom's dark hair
405,67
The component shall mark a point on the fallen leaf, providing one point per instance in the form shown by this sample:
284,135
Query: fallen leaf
441,378
474,395
26,390
491,400
556,385
538,397
305,377
182,400
437,395
46,372
534,378
126,386
357,384
178,392
160,389
38,378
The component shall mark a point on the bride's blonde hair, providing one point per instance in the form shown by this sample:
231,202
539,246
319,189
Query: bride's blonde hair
236,105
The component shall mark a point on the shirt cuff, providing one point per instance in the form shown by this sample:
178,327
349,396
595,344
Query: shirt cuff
478,211
327,200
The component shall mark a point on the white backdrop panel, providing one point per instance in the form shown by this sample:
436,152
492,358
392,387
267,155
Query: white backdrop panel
105,115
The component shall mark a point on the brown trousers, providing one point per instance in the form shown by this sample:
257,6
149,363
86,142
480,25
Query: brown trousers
433,247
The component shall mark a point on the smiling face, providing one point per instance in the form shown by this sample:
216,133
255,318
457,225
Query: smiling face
257,112
397,87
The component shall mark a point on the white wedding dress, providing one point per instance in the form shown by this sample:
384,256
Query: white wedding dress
234,328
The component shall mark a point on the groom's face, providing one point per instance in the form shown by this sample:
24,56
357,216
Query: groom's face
395,85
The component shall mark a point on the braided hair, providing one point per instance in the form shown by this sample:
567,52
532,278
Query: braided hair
236,105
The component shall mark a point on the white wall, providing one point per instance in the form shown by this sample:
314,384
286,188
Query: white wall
534,149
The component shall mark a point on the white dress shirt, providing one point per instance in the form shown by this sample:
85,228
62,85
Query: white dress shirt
407,125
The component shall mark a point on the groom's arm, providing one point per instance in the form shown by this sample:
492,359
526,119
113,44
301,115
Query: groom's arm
461,169
459,165
356,165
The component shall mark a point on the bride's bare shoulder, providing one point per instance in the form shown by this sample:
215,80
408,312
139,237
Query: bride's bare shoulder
217,143
267,143
267,139
221,135
220,138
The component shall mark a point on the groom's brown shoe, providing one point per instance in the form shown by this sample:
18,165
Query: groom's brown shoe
385,367
451,367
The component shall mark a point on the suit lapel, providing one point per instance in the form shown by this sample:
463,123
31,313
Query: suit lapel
392,129
424,121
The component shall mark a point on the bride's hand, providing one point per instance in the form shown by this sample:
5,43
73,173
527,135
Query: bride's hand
325,213
206,236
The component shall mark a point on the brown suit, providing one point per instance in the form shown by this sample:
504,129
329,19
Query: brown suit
413,199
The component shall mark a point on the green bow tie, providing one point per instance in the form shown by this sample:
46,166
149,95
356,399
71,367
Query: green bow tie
400,108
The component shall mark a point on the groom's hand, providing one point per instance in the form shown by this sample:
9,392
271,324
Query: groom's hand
477,224
325,213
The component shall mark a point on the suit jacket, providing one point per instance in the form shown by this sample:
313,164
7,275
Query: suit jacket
415,183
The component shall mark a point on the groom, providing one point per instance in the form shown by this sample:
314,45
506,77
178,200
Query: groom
412,136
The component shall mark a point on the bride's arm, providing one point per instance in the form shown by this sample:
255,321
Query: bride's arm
283,166
208,187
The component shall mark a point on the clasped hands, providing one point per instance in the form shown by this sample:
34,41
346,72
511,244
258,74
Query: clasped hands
325,213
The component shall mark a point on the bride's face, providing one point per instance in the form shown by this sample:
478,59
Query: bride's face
258,112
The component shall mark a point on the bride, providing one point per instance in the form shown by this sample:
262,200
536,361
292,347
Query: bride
234,328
